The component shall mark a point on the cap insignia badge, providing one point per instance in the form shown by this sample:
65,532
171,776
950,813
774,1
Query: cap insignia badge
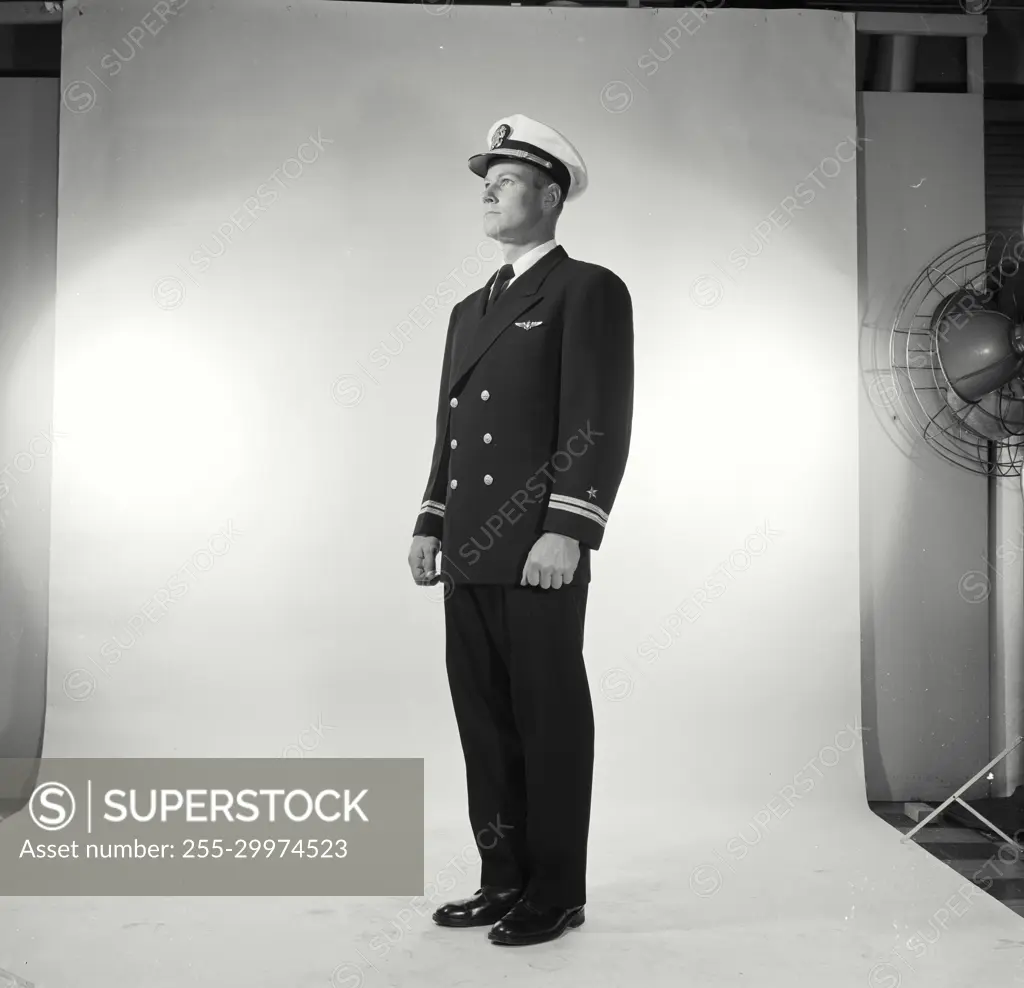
499,135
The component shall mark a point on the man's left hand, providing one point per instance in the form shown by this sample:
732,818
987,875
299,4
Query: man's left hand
552,561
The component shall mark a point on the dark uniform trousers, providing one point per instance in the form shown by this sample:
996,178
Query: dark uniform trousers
522,702
533,425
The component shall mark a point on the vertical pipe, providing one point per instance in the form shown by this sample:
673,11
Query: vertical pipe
896,63
1006,661
976,67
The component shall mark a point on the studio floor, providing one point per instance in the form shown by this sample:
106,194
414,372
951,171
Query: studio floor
985,860
832,899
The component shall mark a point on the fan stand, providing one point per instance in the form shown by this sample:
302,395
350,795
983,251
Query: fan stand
956,796
1016,797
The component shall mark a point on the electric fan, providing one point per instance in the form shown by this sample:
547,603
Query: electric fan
956,350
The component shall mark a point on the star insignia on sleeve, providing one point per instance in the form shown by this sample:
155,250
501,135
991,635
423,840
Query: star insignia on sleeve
592,492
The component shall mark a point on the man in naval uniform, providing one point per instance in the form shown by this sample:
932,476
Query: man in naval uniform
532,434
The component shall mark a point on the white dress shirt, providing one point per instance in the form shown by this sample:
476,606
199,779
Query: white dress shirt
531,257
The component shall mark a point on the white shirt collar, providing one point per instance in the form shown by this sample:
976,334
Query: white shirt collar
531,257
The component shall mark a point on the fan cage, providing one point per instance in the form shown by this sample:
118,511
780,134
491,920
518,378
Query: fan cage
983,264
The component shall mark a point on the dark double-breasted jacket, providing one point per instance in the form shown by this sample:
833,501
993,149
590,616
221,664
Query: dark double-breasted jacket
534,416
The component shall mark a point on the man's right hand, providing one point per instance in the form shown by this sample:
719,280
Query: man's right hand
421,559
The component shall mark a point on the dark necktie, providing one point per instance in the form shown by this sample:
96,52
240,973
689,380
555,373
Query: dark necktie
504,276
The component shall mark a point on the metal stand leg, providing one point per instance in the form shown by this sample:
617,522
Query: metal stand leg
967,785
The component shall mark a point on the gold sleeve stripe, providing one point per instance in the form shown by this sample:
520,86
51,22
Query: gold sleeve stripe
582,512
563,500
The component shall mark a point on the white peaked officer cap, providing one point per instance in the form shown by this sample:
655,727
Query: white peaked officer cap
523,139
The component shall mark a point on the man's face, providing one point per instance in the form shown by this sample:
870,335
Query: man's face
511,205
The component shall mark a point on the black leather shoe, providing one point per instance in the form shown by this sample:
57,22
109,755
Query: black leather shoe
526,923
487,905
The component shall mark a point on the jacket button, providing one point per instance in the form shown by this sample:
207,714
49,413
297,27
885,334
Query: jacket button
488,478
485,395
487,437
454,403
455,443
455,484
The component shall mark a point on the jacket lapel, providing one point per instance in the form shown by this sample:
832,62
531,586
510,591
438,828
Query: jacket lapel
477,329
